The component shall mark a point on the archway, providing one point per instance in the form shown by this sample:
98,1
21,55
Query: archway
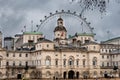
32,74
0,74
56,75
77,75
85,75
105,74
38,74
19,76
71,74
64,75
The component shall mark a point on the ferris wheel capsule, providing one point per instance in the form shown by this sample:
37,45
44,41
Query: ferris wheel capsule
68,11
62,10
40,20
45,17
50,14
56,11
74,12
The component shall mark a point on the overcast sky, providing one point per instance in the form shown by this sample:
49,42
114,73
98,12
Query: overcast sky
14,14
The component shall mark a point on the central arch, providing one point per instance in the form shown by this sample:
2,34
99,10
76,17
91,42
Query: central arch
71,74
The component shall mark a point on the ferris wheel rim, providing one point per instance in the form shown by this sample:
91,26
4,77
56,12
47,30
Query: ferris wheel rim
69,13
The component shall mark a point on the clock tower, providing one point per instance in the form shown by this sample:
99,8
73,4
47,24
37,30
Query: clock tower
60,32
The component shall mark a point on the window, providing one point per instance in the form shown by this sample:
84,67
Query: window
102,50
26,63
26,55
47,45
39,62
20,55
102,64
56,62
20,63
48,73
113,56
116,64
13,72
106,50
7,63
113,63
83,55
77,62
64,62
94,61
107,57
107,63
102,56
116,55
7,55
29,37
33,37
48,61
94,47
13,54
71,62
32,62
13,63
95,73
58,34
109,50
83,63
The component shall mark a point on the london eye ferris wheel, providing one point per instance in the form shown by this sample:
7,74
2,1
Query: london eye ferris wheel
74,23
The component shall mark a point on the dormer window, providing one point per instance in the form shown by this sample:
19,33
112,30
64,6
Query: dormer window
94,47
47,45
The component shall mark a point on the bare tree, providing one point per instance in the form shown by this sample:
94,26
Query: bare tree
100,5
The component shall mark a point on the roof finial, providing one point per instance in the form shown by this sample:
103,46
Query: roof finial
60,16
31,25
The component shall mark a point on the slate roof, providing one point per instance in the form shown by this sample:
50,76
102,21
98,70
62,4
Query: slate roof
33,33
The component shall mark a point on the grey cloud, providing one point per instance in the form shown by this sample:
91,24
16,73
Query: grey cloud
14,14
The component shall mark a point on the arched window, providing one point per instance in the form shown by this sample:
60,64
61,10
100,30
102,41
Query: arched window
71,61
1,74
48,61
56,74
48,74
95,73
20,64
64,62
56,62
13,63
77,62
84,63
94,61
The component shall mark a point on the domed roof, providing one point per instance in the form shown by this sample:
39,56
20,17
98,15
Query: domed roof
60,19
60,28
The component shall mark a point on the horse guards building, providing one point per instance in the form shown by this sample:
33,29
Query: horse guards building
77,56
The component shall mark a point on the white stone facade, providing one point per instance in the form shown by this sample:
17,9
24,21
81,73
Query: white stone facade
76,57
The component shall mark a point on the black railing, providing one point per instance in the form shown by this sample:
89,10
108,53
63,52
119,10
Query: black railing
21,67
